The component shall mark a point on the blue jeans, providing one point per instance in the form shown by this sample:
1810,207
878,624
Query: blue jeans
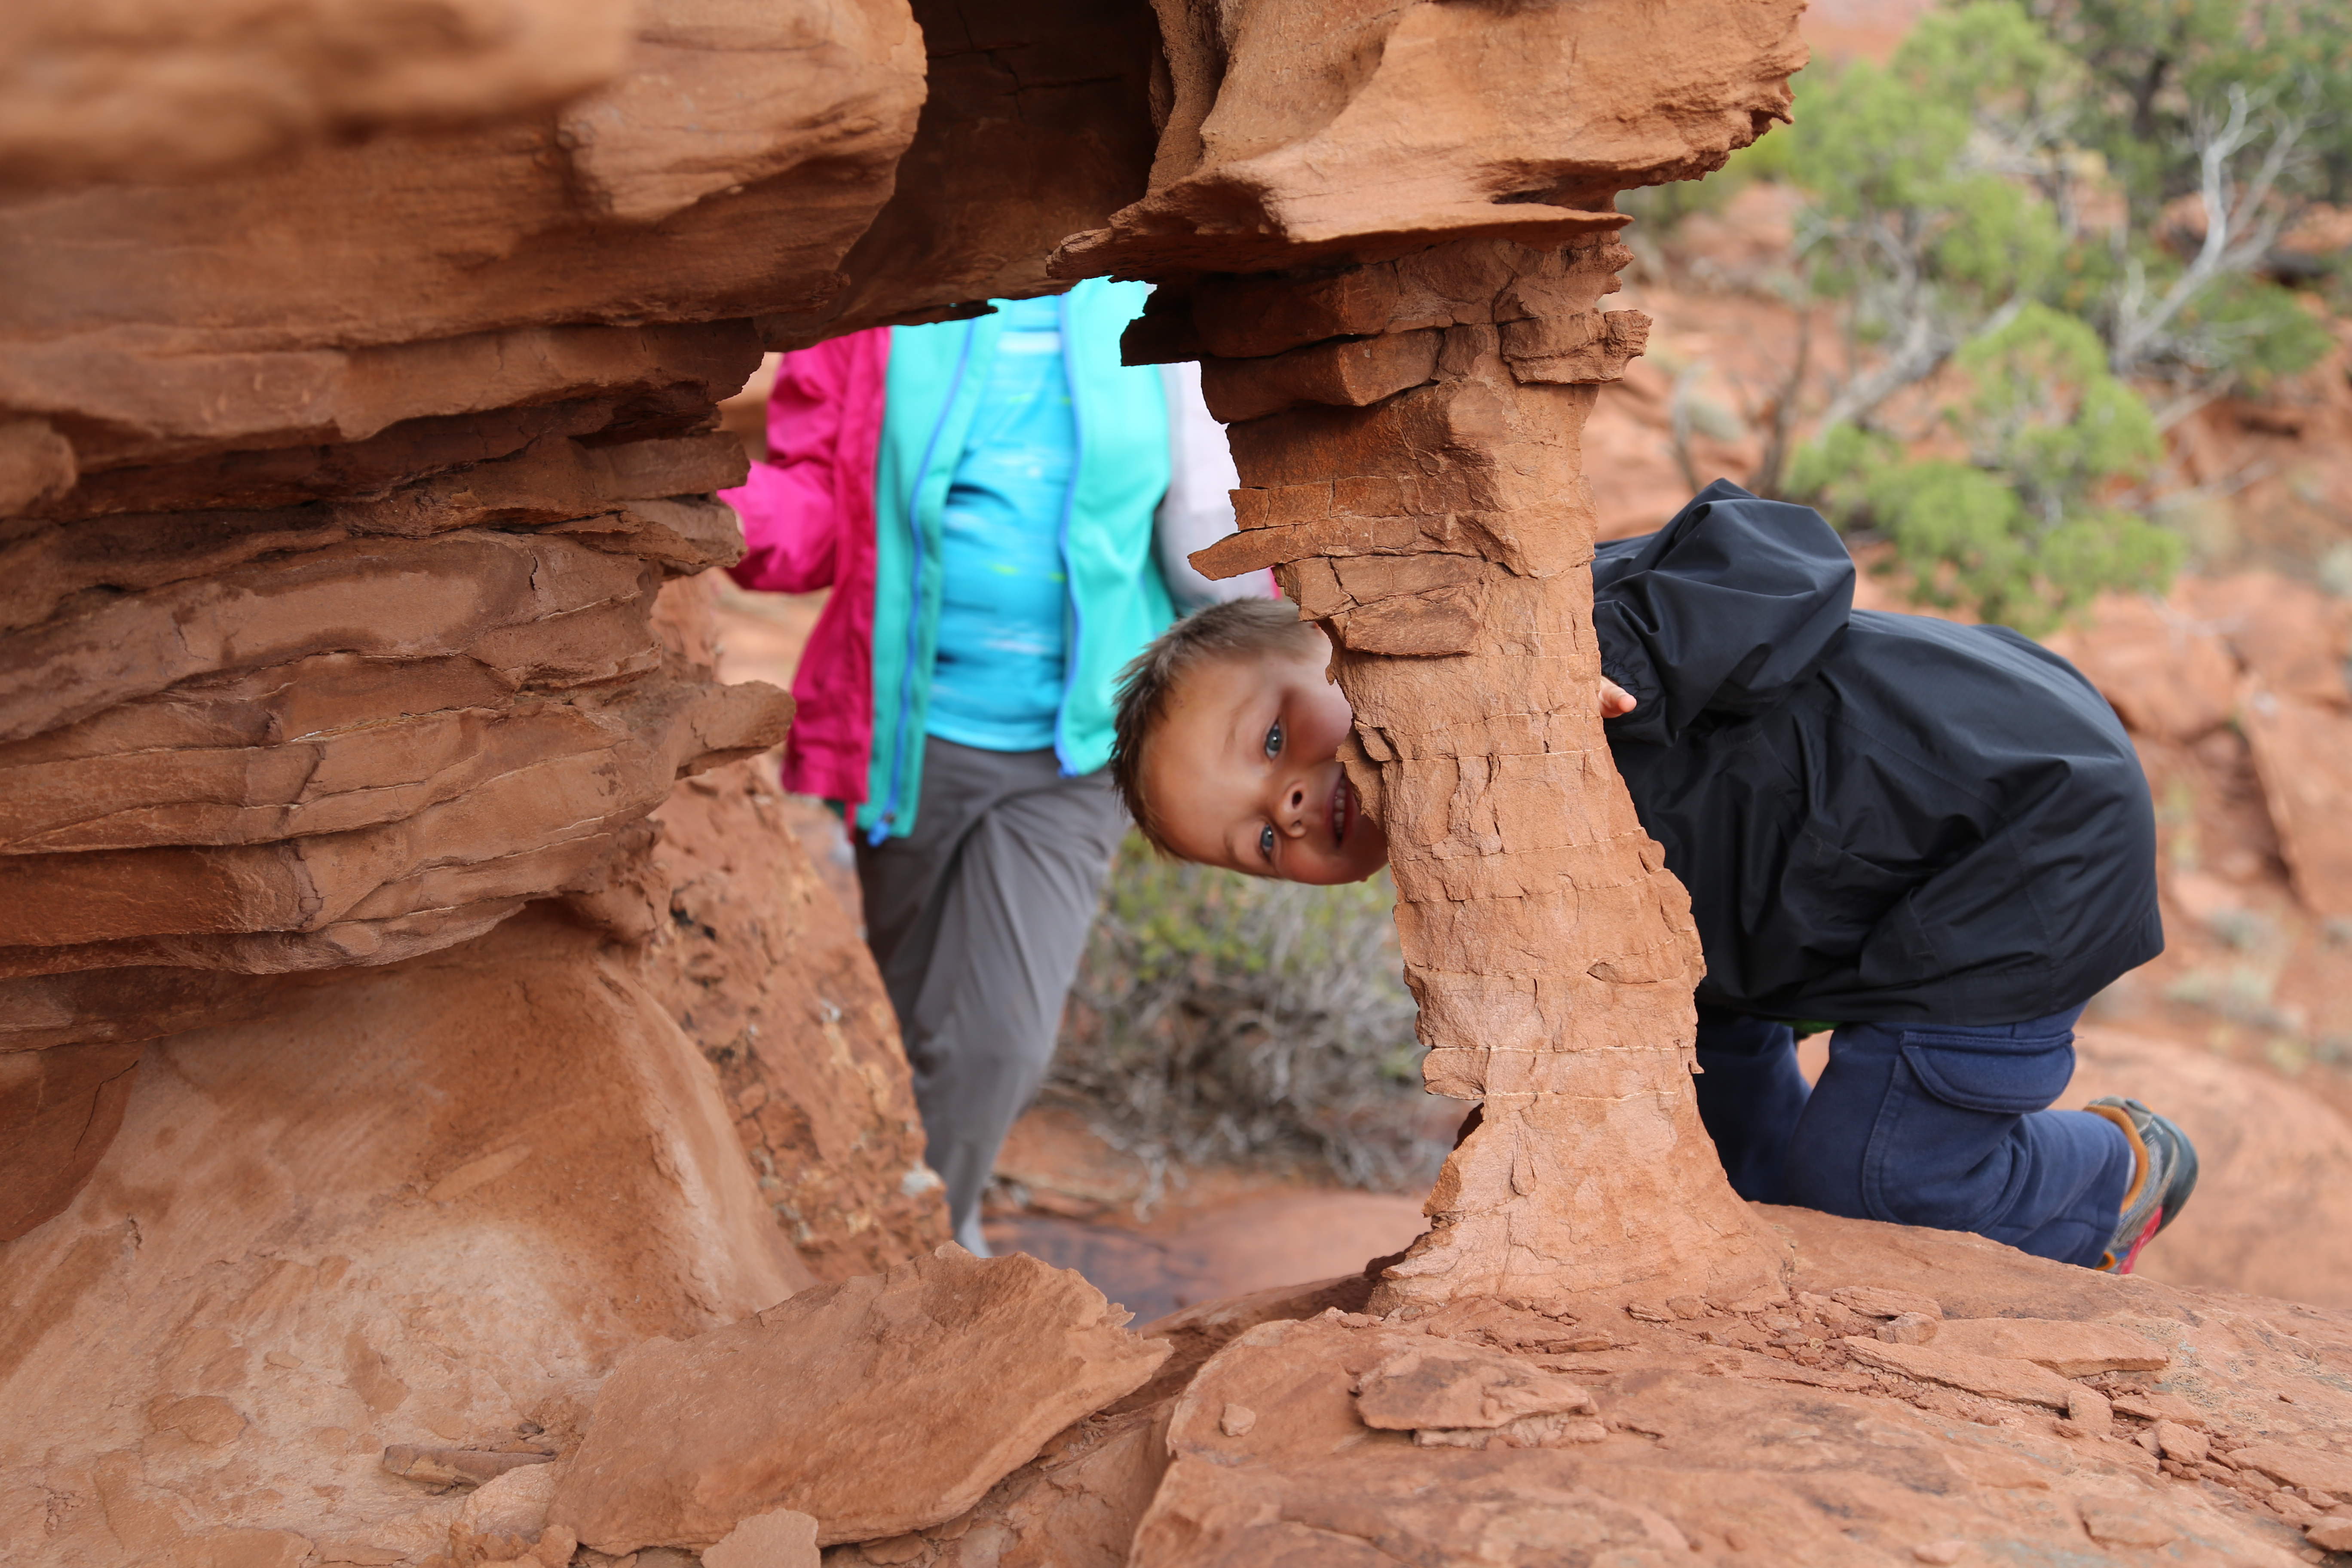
1940,1125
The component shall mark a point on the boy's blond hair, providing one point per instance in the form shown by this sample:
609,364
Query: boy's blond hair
1239,629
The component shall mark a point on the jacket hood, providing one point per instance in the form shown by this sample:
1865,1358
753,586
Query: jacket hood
1727,618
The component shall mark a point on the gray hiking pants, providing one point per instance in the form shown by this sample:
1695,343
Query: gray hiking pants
977,919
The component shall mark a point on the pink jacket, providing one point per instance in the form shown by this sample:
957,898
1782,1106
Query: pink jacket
809,519
808,524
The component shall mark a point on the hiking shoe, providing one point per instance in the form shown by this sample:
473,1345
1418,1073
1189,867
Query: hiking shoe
2164,1174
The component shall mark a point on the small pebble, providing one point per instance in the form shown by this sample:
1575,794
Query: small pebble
1907,1329
2184,1443
1942,1552
2088,1412
1237,1420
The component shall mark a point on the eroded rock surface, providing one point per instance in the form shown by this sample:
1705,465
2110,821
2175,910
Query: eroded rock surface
1075,1506
1295,129
878,1406
762,968
1398,305
356,399
147,91
355,434
750,948
358,375
1744,1432
318,1236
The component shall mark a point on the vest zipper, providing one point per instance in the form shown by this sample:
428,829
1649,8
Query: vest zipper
889,816
1077,639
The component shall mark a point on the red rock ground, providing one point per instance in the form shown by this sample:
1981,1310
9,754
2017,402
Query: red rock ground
1895,1396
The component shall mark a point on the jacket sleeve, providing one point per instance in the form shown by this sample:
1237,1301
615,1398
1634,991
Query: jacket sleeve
791,504
1723,611
1198,509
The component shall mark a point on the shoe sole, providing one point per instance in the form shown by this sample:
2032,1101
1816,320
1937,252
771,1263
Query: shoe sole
2176,1189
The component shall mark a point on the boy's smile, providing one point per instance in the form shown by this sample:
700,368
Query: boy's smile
1244,772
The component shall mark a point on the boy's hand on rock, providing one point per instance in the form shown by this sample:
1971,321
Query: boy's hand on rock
1615,701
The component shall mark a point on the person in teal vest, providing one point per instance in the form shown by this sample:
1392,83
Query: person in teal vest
987,499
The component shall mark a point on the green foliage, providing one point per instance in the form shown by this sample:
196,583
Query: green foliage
1992,55
2248,333
2147,79
1836,469
1894,151
2027,531
1217,1014
1946,193
2154,64
2046,411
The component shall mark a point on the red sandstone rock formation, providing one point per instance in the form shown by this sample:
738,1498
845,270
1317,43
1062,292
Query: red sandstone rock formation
341,702
340,481
2044,1409
1779,1428
751,952
806,1406
357,385
1403,327
422,1203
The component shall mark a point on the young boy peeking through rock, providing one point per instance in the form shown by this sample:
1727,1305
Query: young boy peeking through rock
1935,836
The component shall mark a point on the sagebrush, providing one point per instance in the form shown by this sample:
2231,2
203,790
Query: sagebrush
1218,1017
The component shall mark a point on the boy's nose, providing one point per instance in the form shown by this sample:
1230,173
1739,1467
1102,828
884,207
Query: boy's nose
1294,804
1292,810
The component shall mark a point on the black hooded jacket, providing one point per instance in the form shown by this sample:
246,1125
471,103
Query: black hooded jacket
1880,819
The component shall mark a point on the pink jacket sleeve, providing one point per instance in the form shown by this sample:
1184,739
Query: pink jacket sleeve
808,524
792,507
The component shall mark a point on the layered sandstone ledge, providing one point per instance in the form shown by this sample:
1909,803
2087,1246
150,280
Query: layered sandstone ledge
356,401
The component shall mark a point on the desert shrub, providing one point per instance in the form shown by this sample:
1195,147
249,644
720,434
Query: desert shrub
1993,219
2028,528
1217,1016
2156,67
1952,184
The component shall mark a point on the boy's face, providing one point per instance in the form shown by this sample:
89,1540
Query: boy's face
1242,772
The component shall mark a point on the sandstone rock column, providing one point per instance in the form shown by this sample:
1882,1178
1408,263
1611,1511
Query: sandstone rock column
1441,535
1385,234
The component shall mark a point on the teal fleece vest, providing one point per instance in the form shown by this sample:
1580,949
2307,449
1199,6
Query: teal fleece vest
1117,601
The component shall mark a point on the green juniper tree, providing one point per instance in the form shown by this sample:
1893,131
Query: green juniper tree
1989,307
2029,526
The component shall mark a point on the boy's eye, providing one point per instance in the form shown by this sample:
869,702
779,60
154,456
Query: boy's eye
1265,841
1274,744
